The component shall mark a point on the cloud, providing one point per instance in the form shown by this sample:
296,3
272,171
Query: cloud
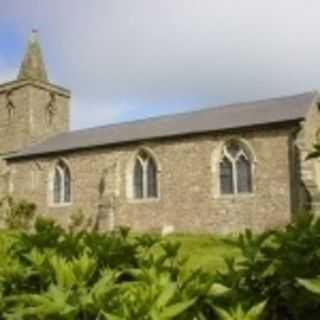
134,58
83,111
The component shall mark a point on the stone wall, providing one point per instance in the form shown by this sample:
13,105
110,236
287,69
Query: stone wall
189,199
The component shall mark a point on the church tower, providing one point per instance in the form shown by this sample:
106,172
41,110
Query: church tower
32,109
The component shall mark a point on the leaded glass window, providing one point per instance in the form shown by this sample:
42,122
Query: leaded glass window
57,186
226,176
138,179
67,185
145,179
61,183
235,169
152,178
244,175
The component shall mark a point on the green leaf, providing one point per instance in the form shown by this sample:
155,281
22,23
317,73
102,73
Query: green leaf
313,285
238,313
176,309
256,311
109,316
223,314
166,295
218,290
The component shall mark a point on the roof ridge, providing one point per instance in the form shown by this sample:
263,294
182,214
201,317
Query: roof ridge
223,106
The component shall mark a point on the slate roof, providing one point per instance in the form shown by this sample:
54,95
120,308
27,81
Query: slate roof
235,116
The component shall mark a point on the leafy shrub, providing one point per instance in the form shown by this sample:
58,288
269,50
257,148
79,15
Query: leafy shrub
53,274
269,268
17,214
238,313
50,273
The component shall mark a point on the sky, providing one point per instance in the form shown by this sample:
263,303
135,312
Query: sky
130,59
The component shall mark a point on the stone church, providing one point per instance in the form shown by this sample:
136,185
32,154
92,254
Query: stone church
219,169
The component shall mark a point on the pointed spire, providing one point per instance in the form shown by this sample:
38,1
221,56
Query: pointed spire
33,66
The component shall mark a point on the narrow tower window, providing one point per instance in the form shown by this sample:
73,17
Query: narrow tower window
10,106
51,109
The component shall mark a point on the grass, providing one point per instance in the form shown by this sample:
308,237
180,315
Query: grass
205,251
202,250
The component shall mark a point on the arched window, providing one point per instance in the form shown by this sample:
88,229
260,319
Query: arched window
61,183
236,169
145,176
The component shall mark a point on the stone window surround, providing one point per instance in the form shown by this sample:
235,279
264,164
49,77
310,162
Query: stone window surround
50,197
130,177
216,158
